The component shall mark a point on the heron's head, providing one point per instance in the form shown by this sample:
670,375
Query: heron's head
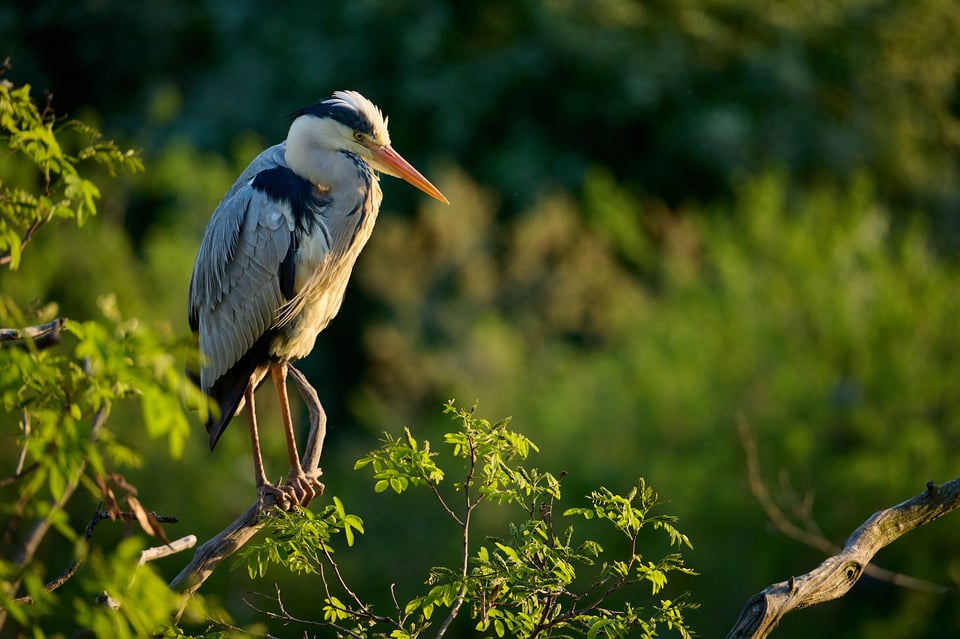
347,121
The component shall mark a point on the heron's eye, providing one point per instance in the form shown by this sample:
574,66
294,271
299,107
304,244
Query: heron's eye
359,137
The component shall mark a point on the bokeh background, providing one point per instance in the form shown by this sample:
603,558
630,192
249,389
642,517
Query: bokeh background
666,217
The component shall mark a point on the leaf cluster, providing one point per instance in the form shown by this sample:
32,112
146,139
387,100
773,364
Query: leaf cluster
57,396
300,539
54,187
543,578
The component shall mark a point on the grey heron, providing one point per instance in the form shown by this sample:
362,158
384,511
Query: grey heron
275,259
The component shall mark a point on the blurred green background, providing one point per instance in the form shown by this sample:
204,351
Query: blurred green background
665,216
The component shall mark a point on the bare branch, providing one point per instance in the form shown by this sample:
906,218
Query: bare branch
98,516
209,555
811,535
837,575
42,335
175,546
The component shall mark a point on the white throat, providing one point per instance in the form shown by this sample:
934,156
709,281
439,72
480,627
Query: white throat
310,153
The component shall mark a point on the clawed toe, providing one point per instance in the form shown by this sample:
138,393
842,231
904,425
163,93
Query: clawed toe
302,488
299,490
282,497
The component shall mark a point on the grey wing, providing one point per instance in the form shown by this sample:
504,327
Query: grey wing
235,290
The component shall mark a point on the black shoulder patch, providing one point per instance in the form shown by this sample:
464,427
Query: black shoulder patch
306,200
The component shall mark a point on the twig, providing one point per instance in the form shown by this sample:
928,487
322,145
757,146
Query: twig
469,507
245,632
25,427
811,536
837,575
20,472
175,546
7,256
9,479
286,617
98,516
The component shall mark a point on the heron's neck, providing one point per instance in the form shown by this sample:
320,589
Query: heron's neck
327,168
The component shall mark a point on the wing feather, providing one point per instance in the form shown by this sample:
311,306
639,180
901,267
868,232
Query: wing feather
235,290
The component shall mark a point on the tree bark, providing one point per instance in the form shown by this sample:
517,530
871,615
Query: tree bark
837,575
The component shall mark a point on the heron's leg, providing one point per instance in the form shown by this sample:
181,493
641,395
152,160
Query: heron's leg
298,486
264,487
310,462
318,419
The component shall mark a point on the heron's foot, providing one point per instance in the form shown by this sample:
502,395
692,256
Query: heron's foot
280,496
301,488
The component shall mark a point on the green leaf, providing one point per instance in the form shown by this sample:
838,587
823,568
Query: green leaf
597,626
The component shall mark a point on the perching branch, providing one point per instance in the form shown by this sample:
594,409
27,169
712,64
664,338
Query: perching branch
208,556
837,575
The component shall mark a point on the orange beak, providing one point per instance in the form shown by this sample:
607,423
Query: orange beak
390,162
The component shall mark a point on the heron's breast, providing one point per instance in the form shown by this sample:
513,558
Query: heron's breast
324,262
322,286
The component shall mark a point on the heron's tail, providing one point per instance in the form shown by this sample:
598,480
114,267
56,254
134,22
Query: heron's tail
230,403
229,389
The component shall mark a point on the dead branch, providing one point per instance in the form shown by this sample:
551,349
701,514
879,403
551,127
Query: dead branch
209,555
810,534
98,516
175,546
837,575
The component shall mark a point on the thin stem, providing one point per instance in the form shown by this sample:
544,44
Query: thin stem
443,504
286,617
465,525
363,610
25,422
7,256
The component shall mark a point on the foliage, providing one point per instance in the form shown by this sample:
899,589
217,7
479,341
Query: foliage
57,401
666,217
678,99
814,314
540,580
63,191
